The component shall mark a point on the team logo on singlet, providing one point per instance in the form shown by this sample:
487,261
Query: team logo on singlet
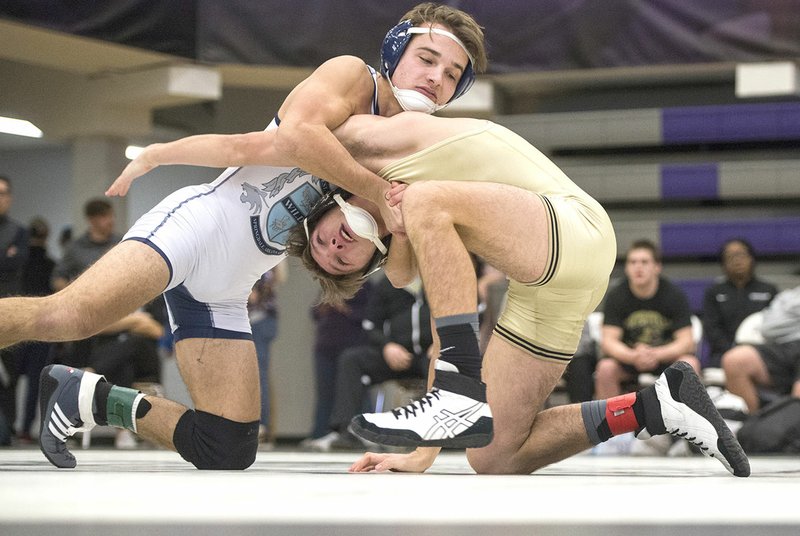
284,214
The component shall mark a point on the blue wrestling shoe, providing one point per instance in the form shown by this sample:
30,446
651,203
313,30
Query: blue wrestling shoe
65,394
688,412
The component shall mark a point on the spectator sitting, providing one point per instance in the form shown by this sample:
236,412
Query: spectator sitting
398,326
729,302
776,363
647,324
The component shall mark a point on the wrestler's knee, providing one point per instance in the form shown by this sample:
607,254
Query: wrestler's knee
495,460
422,199
212,442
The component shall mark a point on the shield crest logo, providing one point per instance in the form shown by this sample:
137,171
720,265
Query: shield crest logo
289,211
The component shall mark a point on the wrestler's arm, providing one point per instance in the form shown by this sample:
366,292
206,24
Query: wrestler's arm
401,266
376,142
208,150
338,89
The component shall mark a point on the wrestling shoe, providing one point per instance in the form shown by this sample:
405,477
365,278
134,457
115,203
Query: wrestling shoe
688,412
441,418
65,399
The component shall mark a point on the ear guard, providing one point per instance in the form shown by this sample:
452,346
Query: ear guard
326,203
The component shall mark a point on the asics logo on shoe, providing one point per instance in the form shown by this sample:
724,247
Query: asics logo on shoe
59,424
450,424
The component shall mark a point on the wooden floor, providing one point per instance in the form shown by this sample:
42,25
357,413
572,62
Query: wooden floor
291,493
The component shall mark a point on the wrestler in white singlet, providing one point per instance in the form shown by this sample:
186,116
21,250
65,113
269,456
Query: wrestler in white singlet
219,238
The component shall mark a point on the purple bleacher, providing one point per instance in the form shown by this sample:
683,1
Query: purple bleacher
695,290
689,181
776,236
731,123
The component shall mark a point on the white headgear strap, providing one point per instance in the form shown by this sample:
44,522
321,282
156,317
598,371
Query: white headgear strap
414,101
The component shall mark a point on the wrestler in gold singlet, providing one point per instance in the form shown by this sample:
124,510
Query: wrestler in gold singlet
544,317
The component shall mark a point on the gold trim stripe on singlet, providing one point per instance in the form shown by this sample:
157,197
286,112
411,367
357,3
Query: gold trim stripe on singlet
555,245
530,347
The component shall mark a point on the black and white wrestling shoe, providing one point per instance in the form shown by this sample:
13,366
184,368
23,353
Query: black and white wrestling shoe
454,414
689,413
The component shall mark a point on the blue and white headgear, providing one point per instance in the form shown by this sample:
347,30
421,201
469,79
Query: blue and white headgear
394,44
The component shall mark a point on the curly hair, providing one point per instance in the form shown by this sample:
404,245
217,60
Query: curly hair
460,23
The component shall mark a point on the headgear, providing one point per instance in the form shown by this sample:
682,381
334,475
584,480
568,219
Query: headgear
396,40
337,197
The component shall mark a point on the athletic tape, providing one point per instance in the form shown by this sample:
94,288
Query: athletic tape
619,414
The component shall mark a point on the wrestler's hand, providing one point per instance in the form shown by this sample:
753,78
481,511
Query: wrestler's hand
395,194
415,462
391,209
392,218
135,169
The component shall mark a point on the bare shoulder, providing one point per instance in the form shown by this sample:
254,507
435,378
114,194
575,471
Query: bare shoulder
346,69
338,88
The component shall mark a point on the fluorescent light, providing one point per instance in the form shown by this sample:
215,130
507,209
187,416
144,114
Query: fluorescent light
132,151
19,127
767,79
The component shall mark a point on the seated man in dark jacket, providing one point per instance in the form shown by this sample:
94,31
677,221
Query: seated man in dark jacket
729,302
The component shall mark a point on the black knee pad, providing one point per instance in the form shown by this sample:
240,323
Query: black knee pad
211,442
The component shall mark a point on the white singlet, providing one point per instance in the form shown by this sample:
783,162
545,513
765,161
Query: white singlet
219,238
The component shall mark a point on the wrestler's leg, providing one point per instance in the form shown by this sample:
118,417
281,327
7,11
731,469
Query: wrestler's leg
445,221
220,433
525,437
222,378
127,277
504,225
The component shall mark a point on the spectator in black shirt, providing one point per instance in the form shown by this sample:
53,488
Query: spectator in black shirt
647,324
729,302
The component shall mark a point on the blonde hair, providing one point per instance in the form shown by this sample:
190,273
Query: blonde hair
460,23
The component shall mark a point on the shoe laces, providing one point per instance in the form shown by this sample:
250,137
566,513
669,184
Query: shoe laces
417,405
693,440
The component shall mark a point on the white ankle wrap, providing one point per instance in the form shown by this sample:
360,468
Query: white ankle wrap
86,399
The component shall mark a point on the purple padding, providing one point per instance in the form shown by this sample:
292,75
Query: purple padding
778,236
690,181
695,291
730,123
